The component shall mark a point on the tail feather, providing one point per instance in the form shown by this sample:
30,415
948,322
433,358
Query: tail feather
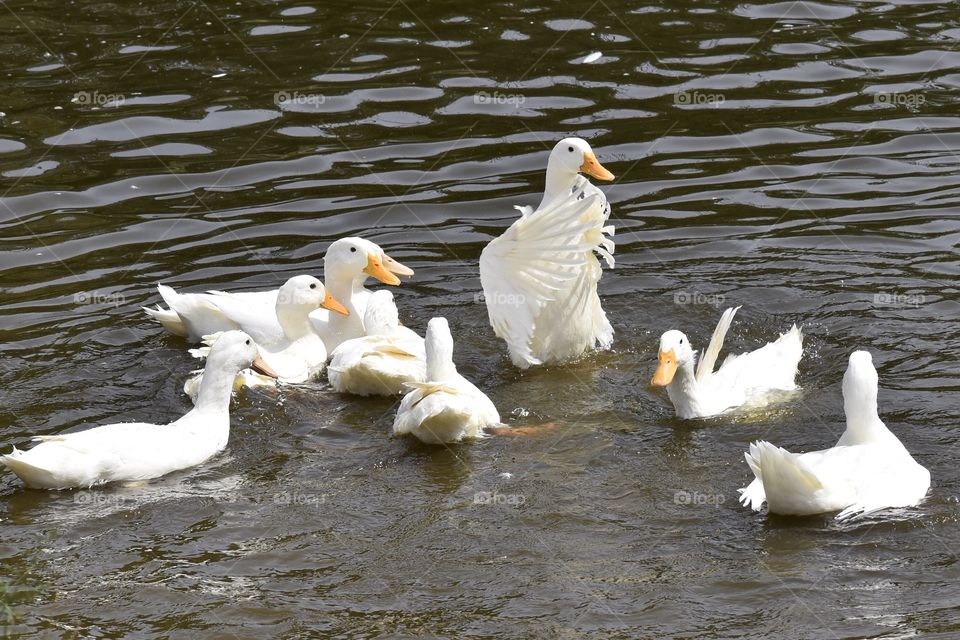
31,475
199,353
786,482
753,495
168,294
168,319
210,338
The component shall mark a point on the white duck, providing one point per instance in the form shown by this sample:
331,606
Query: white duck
381,362
446,408
868,470
345,267
301,355
744,378
140,451
347,263
540,277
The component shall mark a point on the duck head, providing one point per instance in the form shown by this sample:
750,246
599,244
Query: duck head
569,157
231,352
307,293
356,257
574,155
235,350
675,352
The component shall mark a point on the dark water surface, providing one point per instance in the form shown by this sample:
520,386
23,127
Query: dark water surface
796,158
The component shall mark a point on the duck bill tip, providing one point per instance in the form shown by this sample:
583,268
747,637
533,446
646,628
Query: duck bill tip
592,167
262,367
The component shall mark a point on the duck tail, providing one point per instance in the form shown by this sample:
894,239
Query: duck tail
31,475
168,319
753,495
783,477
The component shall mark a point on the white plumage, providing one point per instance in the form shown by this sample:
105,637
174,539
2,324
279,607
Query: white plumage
384,360
301,354
540,276
869,469
347,264
448,407
741,379
140,451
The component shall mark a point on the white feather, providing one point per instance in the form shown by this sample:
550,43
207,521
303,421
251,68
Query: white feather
868,470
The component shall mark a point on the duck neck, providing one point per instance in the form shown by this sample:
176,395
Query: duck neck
346,288
440,371
683,391
864,425
294,320
311,348
559,183
215,387
440,366
380,328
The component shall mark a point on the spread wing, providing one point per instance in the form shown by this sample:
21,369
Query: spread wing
524,268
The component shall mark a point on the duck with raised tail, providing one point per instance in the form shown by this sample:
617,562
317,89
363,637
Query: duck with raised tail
540,276
868,470
741,379
140,451
384,360
447,407
348,262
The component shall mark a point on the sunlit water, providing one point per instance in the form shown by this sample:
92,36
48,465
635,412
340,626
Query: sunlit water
799,159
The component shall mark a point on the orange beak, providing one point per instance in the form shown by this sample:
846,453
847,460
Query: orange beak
262,367
593,168
393,266
333,304
376,269
667,369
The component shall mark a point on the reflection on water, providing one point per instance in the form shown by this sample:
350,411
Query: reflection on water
798,159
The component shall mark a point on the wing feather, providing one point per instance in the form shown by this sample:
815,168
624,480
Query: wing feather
709,359
540,254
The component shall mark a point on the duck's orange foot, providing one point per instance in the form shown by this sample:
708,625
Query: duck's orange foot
530,430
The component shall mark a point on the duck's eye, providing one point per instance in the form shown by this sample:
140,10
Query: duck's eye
681,340
248,341
570,149
313,286
353,249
